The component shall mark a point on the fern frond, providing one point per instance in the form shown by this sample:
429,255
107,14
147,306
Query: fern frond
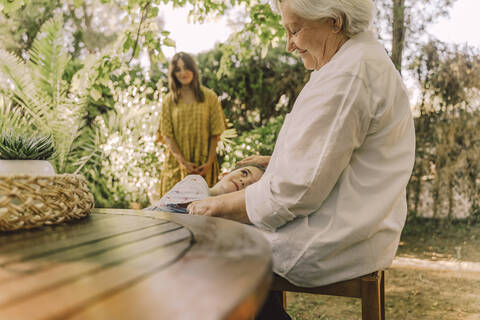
82,81
12,117
15,70
24,91
66,129
85,150
49,58
226,140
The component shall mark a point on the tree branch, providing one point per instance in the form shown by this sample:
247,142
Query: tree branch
144,16
398,30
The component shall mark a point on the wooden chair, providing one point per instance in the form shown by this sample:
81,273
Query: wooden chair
369,288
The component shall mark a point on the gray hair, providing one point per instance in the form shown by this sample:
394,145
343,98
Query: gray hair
356,15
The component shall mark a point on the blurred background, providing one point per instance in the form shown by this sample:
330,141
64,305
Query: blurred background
92,73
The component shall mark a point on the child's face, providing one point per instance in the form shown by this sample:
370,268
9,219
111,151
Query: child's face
238,179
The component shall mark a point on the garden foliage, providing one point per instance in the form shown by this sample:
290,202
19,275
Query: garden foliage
259,141
85,89
253,91
41,95
446,175
128,161
102,122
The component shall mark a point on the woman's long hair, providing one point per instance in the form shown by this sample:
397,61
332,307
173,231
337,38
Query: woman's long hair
175,85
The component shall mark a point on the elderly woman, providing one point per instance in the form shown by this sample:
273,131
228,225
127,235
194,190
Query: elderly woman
332,201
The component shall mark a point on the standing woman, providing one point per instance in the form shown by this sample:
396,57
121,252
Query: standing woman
191,123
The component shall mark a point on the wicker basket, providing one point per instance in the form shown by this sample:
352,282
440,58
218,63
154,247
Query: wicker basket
32,201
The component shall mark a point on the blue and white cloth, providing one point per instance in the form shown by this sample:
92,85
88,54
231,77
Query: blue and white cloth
191,188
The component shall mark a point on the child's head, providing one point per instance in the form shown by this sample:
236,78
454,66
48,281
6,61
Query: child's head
238,179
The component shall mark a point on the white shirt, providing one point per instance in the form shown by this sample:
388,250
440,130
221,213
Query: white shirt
332,200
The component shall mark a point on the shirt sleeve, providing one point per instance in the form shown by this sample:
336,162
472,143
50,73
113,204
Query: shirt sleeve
165,128
216,115
329,121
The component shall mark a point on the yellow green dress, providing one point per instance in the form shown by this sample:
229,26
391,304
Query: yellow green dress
191,125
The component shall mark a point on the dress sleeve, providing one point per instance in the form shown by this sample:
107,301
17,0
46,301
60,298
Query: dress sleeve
165,128
216,115
329,121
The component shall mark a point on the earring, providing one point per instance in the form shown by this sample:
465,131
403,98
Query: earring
337,24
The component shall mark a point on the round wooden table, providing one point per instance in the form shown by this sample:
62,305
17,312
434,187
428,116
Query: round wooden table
132,264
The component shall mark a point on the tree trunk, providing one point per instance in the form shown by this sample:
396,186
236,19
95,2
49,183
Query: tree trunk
436,192
398,30
417,186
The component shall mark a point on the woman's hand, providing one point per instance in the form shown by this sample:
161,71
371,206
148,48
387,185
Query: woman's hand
190,167
229,206
203,169
261,160
206,207
212,155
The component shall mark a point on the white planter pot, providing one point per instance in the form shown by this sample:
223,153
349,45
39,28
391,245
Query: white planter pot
28,167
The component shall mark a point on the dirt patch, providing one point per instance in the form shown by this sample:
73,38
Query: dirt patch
414,294
427,239
410,295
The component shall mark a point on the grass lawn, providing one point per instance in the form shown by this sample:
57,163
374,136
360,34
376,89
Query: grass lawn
414,293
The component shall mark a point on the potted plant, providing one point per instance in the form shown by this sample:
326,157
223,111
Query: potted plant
31,194
23,153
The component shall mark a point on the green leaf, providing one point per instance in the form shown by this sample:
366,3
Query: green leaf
129,42
136,54
17,145
149,38
161,57
169,42
10,6
153,12
78,3
264,51
95,94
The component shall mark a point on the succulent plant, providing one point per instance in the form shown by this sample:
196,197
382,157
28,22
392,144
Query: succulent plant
16,145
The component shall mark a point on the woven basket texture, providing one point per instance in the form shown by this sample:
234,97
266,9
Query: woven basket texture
32,201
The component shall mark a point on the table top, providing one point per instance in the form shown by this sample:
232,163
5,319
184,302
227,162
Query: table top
132,264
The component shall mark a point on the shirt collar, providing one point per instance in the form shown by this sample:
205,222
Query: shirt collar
360,37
